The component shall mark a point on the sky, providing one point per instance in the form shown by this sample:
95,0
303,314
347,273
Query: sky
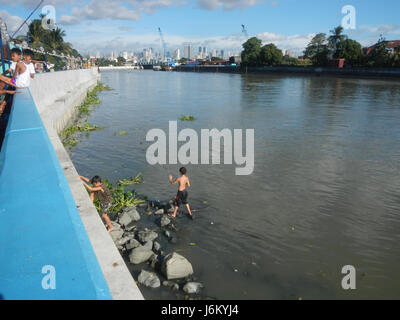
113,25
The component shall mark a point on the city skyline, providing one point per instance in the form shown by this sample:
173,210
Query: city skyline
216,24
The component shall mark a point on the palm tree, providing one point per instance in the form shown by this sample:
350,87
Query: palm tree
36,32
335,39
55,38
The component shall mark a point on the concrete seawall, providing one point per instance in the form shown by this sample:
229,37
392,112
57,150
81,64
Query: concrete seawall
46,216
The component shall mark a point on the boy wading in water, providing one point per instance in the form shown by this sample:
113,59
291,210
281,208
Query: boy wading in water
182,195
101,192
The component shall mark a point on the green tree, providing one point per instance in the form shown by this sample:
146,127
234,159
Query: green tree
335,39
317,50
36,33
56,41
270,55
251,52
121,60
379,55
350,50
396,58
53,39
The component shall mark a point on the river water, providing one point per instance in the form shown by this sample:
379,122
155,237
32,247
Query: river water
325,191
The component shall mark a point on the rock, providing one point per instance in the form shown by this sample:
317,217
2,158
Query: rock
140,255
176,266
116,225
122,241
149,279
125,219
167,283
164,221
159,211
156,246
147,235
149,244
171,210
131,226
132,212
116,234
175,287
192,287
173,240
167,234
128,216
153,261
132,244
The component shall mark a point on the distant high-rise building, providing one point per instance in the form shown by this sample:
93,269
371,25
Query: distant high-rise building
176,54
290,53
188,52
222,54
147,55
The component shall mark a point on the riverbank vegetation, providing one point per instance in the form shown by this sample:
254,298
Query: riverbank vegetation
69,135
321,50
121,198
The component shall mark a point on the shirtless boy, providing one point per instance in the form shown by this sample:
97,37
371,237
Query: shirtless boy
182,195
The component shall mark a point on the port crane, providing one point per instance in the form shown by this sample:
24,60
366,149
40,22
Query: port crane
164,46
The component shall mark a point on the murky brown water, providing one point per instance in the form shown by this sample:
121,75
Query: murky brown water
325,191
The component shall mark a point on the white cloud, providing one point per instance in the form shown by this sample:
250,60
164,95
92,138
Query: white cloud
13,23
115,10
227,4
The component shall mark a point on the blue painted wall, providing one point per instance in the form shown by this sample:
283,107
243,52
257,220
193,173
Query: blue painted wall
39,222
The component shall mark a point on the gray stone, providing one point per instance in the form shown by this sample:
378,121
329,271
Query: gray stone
132,212
171,210
132,244
192,287
149,279
140,254
130,227
122,241
167,233
116,234
167,283
159,211
153,261
164,221
173,240
147,235
125,219
176,266
116,225
175,287
156,246
149,244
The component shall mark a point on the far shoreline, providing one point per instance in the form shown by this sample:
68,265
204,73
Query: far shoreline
375,73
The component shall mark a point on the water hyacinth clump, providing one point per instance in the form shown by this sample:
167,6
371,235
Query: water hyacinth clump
69,134
135,180
187,118
121,198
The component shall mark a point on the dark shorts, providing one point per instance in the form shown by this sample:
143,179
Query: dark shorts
105,208
181,198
